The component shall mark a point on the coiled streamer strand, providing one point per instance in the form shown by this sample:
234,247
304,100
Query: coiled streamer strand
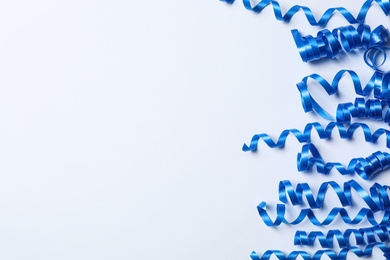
324,19
323,133
378,198
366,168
328,44
363,236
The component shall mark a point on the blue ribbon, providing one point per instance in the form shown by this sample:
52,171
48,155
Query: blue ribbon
323,133
384,5
366,252
372,54
329,44
362,236
376,200
374,109
307,213
379,83
366,168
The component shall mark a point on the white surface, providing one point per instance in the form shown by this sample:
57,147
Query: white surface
122,122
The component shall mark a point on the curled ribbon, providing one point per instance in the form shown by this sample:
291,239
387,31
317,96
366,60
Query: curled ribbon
366,168
366,252
374,109
323,133
378,198
309,214
383,4
328,44
363,236
372,54
379,83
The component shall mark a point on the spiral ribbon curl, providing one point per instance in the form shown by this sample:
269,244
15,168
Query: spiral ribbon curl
366,168
323,133
366,252
383,4
309,214
372,109
378,83
378,198
363,236
328,44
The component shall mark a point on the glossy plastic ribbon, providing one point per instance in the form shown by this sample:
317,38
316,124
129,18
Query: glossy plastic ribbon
364,213
329,44
366,168
374,109
384,5
323,133
378,83
378,198
366,252
362,236
372,56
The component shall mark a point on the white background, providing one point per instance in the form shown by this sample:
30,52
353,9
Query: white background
121,126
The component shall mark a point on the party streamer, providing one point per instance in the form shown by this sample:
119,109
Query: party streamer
378,198
307,213
367,251
362,236
323,133
329,44
366,168
374,109
384,5
378,83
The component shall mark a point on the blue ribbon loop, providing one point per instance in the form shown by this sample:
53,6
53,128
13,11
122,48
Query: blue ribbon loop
329,44
366,168
324,19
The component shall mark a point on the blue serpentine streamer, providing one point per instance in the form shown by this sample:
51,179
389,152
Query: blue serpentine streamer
378,83
384,5
309,214
366,168
323,133
363,236
366,252
329,44
371,109
378,198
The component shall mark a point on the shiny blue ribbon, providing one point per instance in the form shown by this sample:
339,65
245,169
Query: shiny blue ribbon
307,213
362,236
366,168
366,252
323,133
329,44
377,199
379,83
373,54
383,4
374,109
